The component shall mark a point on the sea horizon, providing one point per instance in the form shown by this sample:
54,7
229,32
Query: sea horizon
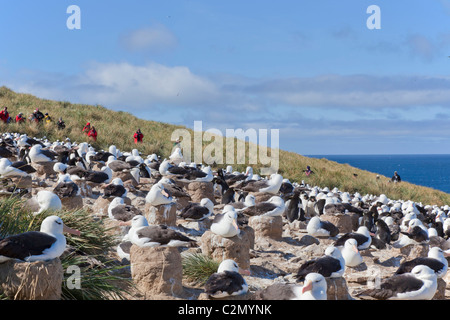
428,170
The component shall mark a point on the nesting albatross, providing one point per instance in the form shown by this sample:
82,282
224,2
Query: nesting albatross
144,235
8,169
419,284
227,281
331,265
47,244
65,187
119,211
117,165
270,186
37,154
197,211
362,237
435,260
273,207
47,201
115,189
158,195
225,224
314,288
351,254
318,228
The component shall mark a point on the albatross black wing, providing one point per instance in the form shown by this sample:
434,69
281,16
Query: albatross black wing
26,244
325,266
392,286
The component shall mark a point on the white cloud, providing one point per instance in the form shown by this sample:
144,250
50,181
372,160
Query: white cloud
143,86
306,110
360,91
124,85
155,38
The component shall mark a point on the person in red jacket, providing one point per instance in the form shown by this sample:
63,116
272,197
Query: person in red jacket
138,137
87,128
20,118
4,115
92,134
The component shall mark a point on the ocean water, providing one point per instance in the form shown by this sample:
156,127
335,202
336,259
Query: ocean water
426,170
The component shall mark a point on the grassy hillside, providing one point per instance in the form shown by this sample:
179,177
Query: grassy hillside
118,128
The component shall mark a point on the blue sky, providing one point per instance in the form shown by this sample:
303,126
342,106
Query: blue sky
311,69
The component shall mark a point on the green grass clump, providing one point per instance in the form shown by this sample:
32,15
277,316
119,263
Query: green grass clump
98,279
197,267
89,251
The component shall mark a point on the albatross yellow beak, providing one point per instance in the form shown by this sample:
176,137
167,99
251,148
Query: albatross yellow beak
307,286
245,272
165,194
71,231
125,223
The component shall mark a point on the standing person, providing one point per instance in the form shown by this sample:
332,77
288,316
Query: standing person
396,177
20,118
39,116
92,134
61,124
87,128
308,171
4,115
138,136
32,118
48,119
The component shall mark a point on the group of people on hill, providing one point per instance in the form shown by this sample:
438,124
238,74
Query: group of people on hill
38,117
35,117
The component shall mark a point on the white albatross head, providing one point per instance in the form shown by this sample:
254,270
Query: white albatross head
54,225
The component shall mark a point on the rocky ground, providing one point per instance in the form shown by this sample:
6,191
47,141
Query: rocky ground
270,259
277,260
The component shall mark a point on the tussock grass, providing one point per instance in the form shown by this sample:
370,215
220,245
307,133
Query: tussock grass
13,217
197,267
118,127
98,280
88,251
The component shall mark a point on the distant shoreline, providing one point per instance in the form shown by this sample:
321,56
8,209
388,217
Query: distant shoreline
428,170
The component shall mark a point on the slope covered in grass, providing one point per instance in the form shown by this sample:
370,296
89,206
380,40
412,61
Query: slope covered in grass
118,127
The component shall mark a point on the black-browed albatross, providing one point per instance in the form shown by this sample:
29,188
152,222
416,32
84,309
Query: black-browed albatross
47,244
